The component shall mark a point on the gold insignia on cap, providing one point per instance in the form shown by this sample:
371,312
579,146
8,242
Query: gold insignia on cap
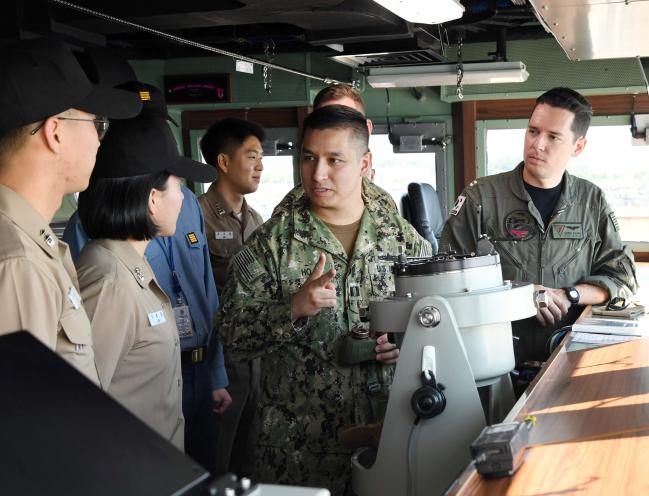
192,238
145,96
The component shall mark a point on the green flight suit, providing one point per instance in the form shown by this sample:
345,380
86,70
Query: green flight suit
307,397
581,243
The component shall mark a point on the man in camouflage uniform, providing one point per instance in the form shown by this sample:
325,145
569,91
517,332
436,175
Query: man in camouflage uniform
294,295
550,228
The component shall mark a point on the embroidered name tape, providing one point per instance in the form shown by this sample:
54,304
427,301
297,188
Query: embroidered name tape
567,230
224,235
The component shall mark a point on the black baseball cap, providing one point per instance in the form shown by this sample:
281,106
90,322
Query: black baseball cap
145,144
41,78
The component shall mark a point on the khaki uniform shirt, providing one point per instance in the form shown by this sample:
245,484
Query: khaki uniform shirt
136,341
225,232
38,285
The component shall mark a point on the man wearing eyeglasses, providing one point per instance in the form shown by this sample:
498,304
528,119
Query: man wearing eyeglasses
50,131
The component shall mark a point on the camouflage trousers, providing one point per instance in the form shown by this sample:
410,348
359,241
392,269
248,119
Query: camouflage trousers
305,468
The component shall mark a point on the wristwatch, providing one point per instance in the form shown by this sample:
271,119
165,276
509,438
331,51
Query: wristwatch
572,294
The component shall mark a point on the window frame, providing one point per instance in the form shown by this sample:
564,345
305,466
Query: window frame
483,126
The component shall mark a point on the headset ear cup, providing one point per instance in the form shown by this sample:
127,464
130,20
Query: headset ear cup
428,402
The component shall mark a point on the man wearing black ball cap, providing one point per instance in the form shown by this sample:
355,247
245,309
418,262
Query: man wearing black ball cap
51,122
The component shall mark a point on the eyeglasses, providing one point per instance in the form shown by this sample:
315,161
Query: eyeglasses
101,125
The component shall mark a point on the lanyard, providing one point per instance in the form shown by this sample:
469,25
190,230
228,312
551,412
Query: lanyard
168,252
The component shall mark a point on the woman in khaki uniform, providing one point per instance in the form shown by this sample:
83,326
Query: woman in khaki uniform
133,196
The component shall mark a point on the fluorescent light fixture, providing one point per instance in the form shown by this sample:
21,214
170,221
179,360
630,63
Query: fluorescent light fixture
446,74
424,11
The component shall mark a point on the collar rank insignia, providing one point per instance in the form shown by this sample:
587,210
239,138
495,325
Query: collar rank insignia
139,273
192,238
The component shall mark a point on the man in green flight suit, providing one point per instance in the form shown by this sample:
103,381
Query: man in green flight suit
549,227
295,293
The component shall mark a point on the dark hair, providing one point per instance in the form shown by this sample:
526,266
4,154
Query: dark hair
339,117
118,208
13,140
226,135
568,99
336,92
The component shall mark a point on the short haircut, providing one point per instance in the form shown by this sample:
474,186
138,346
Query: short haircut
13,140
226,136
565,98
336,92
118,208
339,117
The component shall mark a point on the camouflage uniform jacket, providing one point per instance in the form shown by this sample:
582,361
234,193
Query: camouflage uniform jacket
581,243
308,398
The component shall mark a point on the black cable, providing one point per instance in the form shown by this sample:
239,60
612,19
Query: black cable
409,462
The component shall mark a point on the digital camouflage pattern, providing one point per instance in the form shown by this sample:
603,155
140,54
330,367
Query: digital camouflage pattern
307,397
373,193
580,245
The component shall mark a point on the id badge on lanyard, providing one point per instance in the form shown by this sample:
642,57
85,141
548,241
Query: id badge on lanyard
183,320
180,308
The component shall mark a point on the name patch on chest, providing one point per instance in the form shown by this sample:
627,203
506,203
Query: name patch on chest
567,230
74,297
224,235
157,318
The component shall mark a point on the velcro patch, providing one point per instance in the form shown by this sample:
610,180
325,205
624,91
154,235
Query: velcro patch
247,266
520,225
192,238
613,218
458,204
567,230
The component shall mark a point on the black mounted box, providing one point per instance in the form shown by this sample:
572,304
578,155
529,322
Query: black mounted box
61,434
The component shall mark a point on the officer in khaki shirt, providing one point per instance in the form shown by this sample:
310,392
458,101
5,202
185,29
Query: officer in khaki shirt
135,195
49,136
233,147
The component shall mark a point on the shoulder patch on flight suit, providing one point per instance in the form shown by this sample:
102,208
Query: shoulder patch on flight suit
616,224
520,225
458,205
192,238
247,265
567,230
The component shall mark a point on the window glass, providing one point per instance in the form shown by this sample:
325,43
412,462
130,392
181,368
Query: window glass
276,181
609,160
394,171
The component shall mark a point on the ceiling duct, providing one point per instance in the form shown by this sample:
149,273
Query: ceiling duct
605,29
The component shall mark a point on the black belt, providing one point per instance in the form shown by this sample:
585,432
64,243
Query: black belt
193,355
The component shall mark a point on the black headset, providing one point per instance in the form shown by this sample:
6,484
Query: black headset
429,400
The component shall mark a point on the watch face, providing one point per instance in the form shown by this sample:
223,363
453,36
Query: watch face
573,295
